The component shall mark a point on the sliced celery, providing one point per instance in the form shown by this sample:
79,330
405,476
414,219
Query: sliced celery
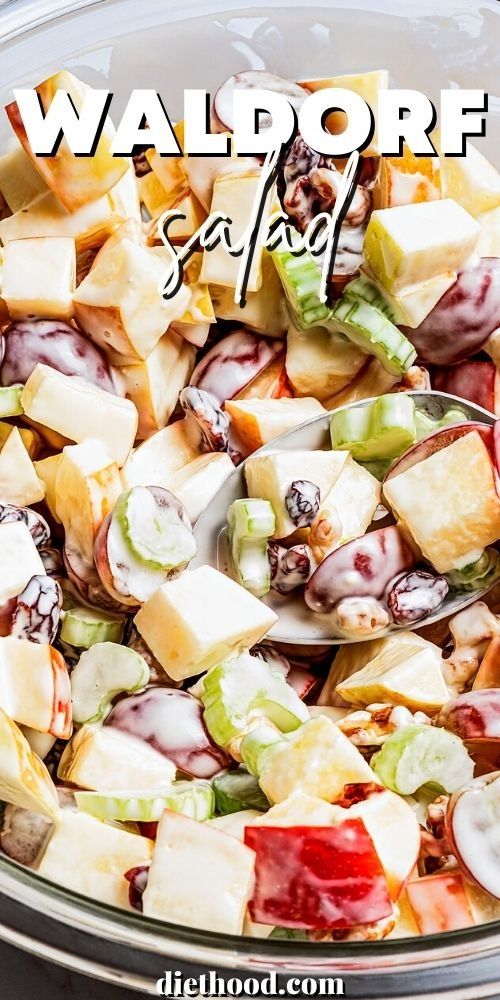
255,745
380,430
191,798
250,524
83,627
301,279
427,425
103,671
418,755
247,688
237,790
361,288
477,575
373,332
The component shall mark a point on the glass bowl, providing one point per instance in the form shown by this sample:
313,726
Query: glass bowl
169,45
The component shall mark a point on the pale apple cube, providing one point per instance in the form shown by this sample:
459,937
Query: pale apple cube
350,506
234,195
471,180
409,244
50,263
401,675
27,689
316,759
79,411
258,421
264,310
367,85
411,305
235,823
104,759
20,182
199,877
120,304
87,487
270,477
320,363
154,384
489,240
301,809
19,559
196,484
199,619
75,180
163,454
24,780
449,503
46,470
91,857
19,483
352,657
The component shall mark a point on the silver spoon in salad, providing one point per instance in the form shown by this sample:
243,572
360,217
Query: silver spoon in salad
378,516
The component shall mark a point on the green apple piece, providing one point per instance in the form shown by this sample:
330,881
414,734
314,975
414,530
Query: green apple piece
24,779
420,755
237,790
103,671
301,279
191,798
409,244
84,627
426,424
372,331
156,535
479,574
380,430
10,401
245,688
250,524
364,290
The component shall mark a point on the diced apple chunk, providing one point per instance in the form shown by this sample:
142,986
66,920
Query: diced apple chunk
34,686
352,658
413,243
489,239
91,857
24,780
19,483
258,421
107,760
367,85
184,889
19,559
316,759
453,531
46,470
79,411
199,619
407,179
404,675
20,182
162,455
346,511
471,180
196,483
320,363
119,303
50,263
75,180
269,477
88,485
264,310
412,305
154,384
234,195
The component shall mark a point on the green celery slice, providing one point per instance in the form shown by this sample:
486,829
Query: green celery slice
377,431
191,798
250,524
420,755
373,332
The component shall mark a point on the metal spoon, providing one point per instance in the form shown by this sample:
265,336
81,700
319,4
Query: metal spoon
296,623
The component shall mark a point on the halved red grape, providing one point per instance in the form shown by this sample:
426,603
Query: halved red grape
52,342
251,79
234,362
472,828
474,715
472,380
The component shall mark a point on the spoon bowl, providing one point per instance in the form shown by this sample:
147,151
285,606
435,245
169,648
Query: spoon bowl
297,624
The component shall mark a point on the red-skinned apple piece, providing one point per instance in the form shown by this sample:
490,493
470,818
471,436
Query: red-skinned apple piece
477,381
233,362
488,675
61,723
171,722
317,878
362,567
463,318
474,715
472,828
439,903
